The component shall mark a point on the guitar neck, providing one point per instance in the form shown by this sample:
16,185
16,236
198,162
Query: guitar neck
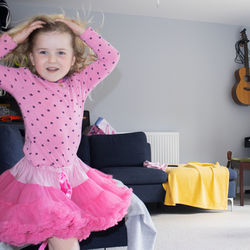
246,61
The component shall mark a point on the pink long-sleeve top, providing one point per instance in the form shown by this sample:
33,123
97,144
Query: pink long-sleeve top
52,113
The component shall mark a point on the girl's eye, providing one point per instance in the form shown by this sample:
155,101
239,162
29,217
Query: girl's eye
43,52
61,53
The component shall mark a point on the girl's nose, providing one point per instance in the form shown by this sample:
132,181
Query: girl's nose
52,58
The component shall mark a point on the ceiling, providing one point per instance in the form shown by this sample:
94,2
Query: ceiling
235,12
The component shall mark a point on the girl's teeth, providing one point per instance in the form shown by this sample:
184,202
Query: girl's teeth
51,69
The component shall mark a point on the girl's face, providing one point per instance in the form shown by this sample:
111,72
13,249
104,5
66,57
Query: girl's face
52,55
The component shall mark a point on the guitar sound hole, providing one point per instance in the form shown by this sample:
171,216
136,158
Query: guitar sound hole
247,78
247,89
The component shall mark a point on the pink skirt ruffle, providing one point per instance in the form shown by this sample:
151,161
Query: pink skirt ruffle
31,213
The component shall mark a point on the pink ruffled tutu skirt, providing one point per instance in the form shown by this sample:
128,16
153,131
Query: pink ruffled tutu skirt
33,206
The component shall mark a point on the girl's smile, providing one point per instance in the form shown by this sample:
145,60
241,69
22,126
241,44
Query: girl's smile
52,55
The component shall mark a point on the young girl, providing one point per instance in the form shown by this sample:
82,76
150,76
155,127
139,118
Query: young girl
50,194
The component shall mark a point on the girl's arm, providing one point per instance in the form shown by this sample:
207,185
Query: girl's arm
107,56
11,78
8,76
7,44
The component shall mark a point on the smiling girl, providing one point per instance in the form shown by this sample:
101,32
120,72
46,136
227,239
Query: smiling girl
51,195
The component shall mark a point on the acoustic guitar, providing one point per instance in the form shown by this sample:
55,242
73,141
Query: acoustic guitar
241,90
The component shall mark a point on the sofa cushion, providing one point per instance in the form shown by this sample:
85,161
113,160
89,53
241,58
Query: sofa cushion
83,151
137,175
11,147
118,150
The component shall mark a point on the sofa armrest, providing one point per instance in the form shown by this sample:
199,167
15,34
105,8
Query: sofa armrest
11,146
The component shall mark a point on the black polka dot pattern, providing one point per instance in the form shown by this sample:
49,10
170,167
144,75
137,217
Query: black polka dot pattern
53,114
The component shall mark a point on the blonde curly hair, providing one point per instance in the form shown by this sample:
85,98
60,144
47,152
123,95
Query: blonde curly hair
19,57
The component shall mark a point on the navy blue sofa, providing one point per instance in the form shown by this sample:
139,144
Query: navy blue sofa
121,155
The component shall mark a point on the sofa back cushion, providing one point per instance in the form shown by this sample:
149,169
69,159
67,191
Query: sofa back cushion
129,149
11,146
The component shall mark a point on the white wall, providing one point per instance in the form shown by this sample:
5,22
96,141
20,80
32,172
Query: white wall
176,76
173,76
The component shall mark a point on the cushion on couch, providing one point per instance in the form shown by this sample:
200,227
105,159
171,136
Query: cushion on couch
134,174
11,147
118,150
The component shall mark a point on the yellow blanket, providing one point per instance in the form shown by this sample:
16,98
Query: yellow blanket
203,185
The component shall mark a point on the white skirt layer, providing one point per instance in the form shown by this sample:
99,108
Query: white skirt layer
25,172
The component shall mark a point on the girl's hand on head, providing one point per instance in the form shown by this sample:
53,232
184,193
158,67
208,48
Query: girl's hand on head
76,28
22,35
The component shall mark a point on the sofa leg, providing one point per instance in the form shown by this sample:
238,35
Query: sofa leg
232,202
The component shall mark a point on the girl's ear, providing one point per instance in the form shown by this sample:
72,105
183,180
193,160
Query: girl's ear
73,60
31,59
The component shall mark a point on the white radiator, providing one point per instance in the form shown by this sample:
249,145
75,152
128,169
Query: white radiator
164,147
